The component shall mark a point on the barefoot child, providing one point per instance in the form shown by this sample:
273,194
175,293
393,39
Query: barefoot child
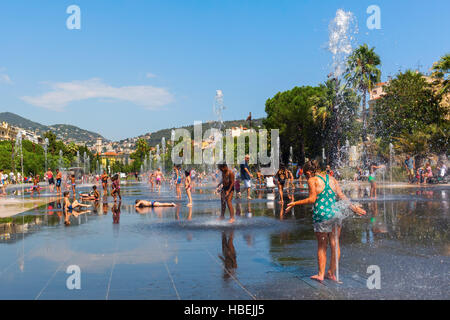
281,176
93,195
69,207
73,182
323,191
226,194
188,187
116,187
35,185
104,178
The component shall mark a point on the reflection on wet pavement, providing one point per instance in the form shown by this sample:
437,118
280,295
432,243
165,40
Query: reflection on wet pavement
188,253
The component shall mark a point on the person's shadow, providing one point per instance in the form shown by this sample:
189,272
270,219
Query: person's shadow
228,254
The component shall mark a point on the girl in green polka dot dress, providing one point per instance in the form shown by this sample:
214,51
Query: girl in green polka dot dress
323,192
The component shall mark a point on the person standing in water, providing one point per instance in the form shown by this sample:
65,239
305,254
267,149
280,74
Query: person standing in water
372,180
323,191
177,181
188,187
73,182
58,182
50,180
116,187
226,194
104,179
281,176
246,176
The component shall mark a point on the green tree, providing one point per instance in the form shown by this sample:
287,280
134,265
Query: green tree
362,73
441,70
292,113
408,105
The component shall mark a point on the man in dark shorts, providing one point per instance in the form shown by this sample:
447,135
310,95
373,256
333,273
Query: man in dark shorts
58,182
226,194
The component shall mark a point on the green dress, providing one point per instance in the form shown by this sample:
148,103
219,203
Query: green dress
324,208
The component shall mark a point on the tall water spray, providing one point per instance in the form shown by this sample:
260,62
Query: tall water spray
19,151
163,147
60,161
158,157
218,108
342,30
341,36
45,153
78,159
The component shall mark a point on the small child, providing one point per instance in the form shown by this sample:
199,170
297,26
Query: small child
116,187
68,207
72,180
93,195
35,185
188,187
237,186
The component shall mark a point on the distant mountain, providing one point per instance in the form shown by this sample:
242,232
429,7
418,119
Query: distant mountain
64,132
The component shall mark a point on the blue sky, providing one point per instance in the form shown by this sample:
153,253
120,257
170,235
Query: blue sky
139,66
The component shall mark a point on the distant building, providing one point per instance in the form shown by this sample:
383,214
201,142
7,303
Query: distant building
8,132
109,158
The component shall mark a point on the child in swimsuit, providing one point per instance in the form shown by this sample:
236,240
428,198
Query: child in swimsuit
187,187
226,194
72,179
69,207
281,176
116,187
323,192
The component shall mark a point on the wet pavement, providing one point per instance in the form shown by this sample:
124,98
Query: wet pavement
182,253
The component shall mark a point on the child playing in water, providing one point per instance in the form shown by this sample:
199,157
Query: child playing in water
177,181
35,185
116,187
323,191
372,181
94,195
145,203
237,186
69,207
72,180
281,176
188,187
104,178
227,191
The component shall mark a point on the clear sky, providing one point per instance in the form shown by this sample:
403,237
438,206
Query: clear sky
139,66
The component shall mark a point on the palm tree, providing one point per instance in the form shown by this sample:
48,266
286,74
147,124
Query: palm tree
441,70
362,73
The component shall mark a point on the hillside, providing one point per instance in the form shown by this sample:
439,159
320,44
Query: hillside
155,137
63,131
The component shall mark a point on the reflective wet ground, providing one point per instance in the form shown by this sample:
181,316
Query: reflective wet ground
182,253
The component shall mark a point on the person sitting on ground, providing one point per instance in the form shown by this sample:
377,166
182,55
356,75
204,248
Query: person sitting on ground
93,195
145,203
69,207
